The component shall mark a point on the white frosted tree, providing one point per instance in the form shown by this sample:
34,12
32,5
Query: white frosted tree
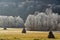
19,22
58,28
43,21
5,21
10,21
1,21
15,21
30,22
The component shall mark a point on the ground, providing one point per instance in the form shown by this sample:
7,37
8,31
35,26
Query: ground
16,34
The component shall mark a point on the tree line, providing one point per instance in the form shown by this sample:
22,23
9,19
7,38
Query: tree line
11,22
40,21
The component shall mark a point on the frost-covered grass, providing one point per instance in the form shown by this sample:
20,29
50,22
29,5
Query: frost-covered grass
15,34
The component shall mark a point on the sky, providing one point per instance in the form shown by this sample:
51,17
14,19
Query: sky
25,7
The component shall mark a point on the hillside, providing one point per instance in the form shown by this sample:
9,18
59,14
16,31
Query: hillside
23,7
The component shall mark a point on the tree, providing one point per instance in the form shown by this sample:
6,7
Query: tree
5,22
10,21
30,22
42,21
19,22
51,35
24,30
5,28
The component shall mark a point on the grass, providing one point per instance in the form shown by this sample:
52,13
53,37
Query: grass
16,34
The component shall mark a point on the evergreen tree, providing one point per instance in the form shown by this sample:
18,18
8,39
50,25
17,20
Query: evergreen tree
24,30
51,35
5,28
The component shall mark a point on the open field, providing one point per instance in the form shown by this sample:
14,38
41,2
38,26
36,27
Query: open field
15,34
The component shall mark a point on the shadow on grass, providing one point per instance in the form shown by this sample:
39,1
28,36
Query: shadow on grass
36,39
4,39
17,38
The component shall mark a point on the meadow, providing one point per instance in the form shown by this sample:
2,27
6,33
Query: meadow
16,34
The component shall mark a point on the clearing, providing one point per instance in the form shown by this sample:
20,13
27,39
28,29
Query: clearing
15,34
